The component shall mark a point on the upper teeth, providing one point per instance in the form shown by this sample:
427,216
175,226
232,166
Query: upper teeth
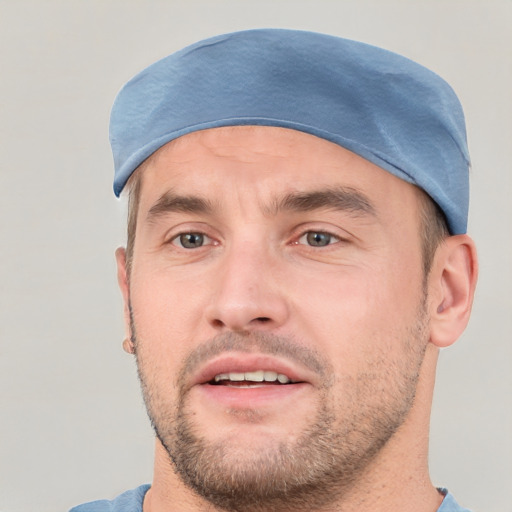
257,376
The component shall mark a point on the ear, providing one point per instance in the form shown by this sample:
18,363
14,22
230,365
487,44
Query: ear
122,279
452,283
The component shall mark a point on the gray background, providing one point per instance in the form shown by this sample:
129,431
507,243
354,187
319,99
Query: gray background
72,424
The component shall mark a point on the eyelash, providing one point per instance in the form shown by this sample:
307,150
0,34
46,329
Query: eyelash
307,236
179,238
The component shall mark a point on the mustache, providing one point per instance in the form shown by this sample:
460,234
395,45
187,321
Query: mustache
261,342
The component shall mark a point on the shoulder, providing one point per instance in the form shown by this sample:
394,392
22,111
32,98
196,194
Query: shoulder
129,501
449,504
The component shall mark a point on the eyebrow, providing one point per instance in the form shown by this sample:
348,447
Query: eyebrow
337,198
169,202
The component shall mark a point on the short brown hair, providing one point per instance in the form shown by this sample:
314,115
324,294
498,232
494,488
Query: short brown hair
133,187
434,229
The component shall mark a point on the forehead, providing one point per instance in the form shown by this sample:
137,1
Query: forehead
267,159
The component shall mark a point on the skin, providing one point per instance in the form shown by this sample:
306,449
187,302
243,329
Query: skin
363,322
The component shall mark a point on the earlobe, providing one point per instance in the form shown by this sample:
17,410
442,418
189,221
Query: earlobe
452,285
128,346
122,279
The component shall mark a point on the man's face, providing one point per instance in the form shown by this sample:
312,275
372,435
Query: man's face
278,306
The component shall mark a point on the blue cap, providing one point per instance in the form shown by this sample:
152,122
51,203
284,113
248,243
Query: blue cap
380,105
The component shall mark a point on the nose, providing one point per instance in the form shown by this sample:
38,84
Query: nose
248,293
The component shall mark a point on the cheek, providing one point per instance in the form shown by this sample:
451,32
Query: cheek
358,294
354,311
167,316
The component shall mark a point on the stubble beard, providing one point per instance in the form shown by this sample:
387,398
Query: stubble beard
317,469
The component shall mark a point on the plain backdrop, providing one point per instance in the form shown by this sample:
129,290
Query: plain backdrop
72,424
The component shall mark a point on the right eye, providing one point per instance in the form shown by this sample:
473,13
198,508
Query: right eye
191,240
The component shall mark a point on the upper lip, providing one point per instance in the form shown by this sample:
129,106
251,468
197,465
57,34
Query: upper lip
237,362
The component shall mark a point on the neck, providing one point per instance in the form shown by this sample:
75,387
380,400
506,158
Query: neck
396,480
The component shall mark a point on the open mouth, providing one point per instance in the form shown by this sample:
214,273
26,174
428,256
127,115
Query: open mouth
256,378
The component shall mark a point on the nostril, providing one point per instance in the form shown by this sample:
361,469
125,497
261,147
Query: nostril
219,324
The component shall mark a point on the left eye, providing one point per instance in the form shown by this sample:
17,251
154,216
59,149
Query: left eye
191,240
317,238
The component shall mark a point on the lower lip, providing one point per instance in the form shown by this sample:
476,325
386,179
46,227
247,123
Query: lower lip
251,397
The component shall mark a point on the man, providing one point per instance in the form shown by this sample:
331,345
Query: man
296,257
